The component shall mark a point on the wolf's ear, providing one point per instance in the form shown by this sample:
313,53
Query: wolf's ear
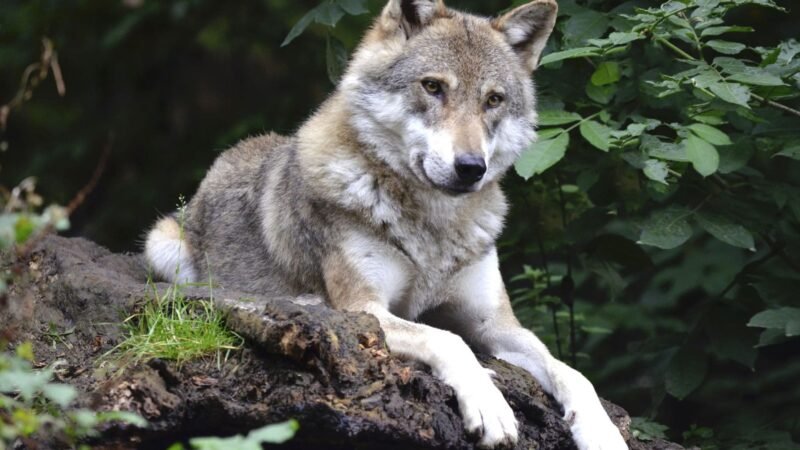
527,29
412,15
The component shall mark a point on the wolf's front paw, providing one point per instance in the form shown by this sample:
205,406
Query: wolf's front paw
486,413
595,431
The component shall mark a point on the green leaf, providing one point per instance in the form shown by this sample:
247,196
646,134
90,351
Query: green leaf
579,52
757,77
606,73
656,170
329,14
549,133
726,47
709,119
710,134
732,93
622,38
275,434
270,434
23,229
335,58
647,430
736,156
786,319
60,394
548,118
663,150
792,151
596,134
730,65
666,228
771,337
299,27
726,231
542,155
704,156
686,371
601,94
716,31
25,351
587,24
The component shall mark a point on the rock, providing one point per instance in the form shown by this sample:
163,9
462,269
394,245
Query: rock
328,369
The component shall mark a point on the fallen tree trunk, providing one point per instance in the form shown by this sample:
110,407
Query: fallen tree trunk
328,369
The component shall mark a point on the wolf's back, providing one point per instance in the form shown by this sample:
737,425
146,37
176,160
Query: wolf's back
218,236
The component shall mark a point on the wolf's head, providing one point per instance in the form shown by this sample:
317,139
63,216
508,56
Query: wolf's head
447,96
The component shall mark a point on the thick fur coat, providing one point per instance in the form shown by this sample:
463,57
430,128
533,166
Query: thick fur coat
387,200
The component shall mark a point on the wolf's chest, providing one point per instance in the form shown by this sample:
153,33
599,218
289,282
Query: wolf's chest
433,256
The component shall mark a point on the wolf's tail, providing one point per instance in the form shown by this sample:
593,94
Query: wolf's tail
168,253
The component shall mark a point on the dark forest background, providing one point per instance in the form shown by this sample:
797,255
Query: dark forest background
667,331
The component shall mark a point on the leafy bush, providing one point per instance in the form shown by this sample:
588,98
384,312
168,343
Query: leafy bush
666,177
31,406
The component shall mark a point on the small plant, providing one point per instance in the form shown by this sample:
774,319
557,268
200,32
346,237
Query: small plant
31,405
174,328
270,434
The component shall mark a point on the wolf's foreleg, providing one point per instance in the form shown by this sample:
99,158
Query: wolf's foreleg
481,312
483,408
363,276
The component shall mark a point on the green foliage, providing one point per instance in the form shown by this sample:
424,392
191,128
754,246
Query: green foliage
270,434
647,430
682,141
172,327
21,219
31,404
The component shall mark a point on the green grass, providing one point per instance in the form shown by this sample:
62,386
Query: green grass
171,327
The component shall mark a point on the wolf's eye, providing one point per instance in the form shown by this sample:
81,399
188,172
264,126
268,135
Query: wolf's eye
432,87
494,100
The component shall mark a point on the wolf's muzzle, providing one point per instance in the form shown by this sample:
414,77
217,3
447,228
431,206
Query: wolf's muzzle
470,168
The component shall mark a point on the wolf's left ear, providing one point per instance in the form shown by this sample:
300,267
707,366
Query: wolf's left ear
527,28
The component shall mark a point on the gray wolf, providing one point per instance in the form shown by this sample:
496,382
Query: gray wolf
387,200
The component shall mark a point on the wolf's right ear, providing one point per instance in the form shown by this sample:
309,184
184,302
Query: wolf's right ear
412,15
527,28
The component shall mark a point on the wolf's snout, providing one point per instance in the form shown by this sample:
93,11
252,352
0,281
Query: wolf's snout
470,168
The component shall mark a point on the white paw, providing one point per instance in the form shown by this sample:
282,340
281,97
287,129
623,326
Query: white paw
485,412
595,431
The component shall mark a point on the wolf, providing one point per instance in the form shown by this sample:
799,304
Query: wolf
388,201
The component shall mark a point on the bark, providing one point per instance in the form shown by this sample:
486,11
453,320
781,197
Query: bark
328,369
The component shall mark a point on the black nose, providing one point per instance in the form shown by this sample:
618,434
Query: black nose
470,168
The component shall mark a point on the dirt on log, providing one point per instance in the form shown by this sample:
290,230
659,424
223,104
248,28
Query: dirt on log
328,369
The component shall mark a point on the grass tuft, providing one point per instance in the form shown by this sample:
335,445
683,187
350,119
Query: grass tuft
172,327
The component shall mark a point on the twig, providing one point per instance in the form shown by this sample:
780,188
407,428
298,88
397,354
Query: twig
31,77
781,252
767,101
775,104
76,201
774,251
80,197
